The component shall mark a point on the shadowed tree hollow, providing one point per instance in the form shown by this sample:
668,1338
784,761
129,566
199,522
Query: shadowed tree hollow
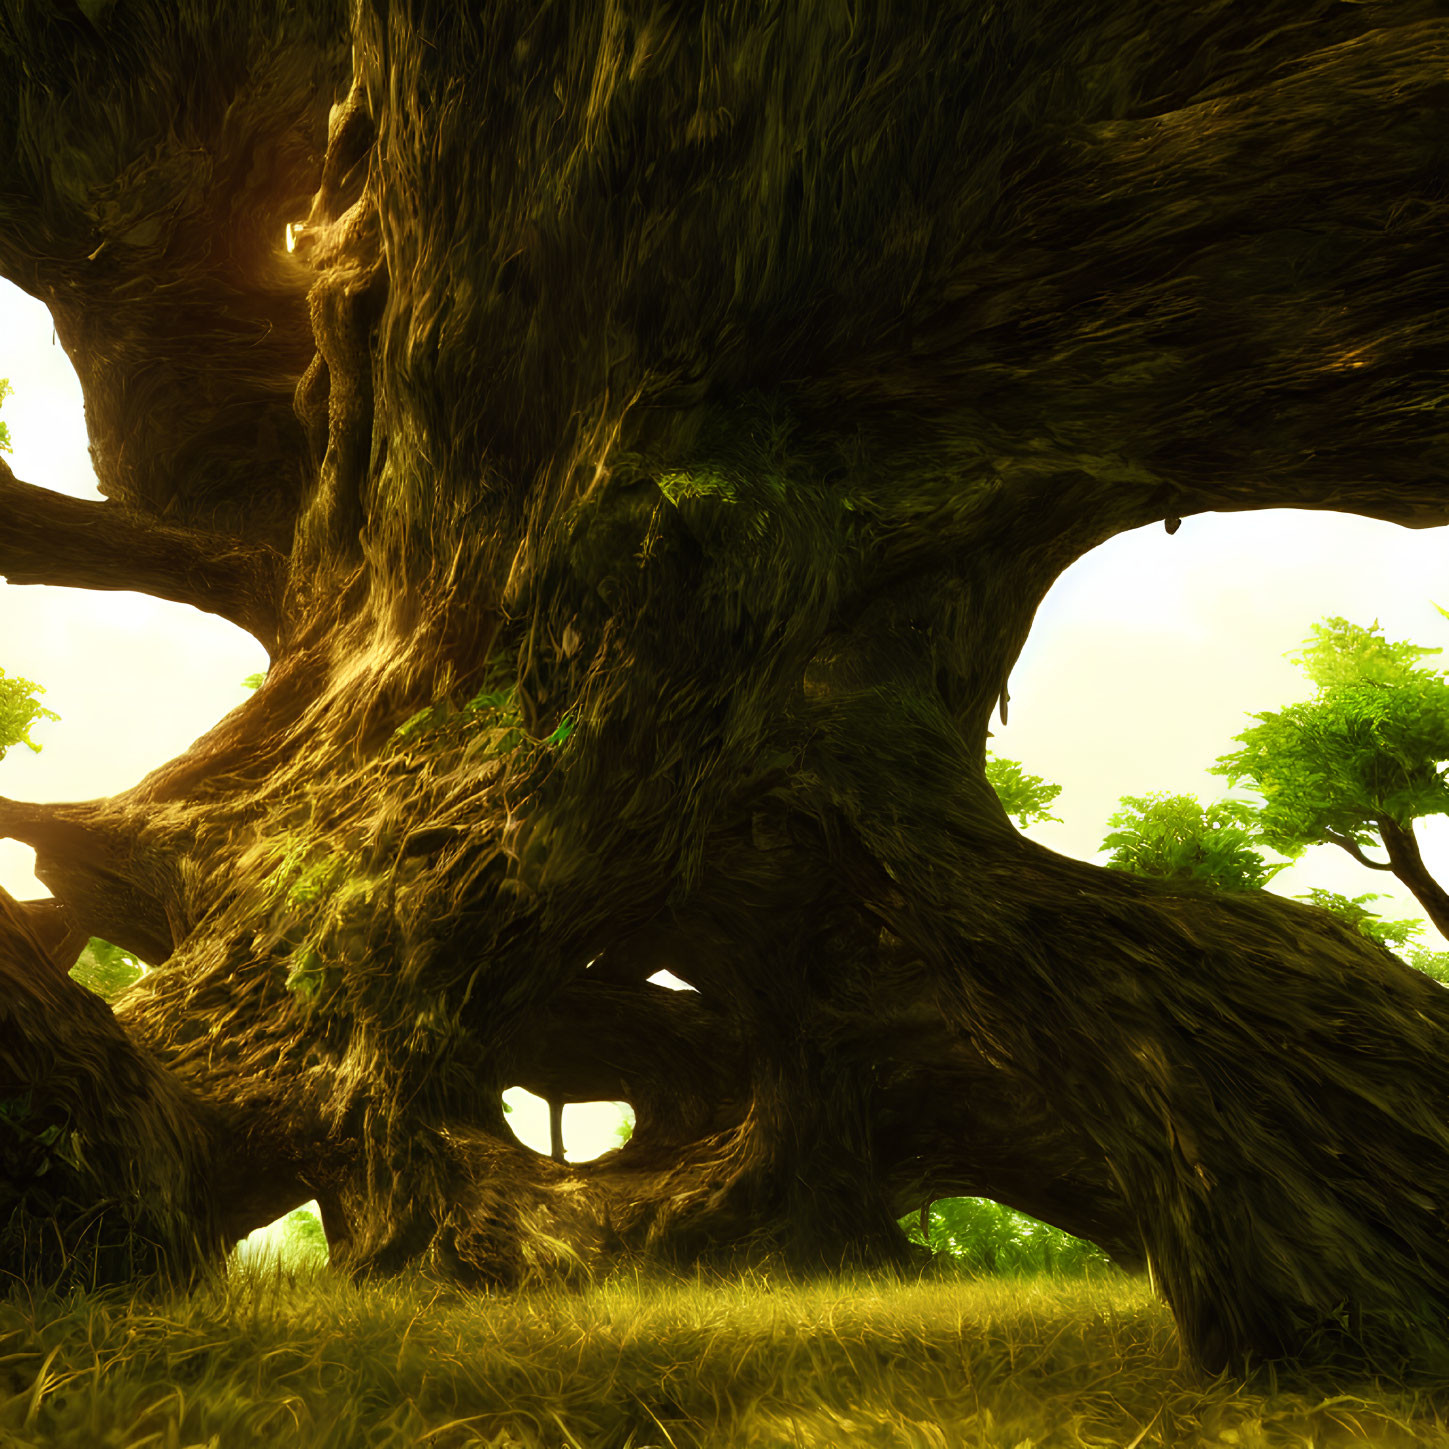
642,468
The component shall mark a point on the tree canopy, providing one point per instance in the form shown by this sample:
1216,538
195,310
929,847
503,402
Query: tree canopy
1358,763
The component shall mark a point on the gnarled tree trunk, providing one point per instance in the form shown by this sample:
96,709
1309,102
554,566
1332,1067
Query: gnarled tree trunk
643,475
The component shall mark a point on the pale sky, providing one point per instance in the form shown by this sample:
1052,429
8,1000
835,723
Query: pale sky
1146,658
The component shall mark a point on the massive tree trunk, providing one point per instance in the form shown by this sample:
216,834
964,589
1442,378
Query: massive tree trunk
643,475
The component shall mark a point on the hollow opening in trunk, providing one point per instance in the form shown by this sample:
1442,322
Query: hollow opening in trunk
567,1131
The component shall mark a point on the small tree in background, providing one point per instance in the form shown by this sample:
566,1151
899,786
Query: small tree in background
1356,765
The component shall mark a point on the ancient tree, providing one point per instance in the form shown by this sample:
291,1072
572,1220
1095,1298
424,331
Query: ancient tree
642,470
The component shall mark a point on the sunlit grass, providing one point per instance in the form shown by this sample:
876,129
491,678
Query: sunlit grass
278,1352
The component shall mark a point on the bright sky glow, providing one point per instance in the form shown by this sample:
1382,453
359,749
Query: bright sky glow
1145,660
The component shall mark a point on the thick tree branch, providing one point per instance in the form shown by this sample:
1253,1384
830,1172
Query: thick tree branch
1217,304
127,1170
95,867
51,538
1235,1057
1349,844
56,929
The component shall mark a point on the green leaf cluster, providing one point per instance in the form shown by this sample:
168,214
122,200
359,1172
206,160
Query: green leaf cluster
1431,963
986,1237
1370,744
1025,796
19,709
1337,652
490,721
1368,923
303,1238
1173,837
106,969
5,391
31,1140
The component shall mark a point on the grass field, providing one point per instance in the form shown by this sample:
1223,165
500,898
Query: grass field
278,1353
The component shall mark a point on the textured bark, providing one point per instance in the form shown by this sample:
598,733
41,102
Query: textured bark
54,539
1408,865
644,474
106,1162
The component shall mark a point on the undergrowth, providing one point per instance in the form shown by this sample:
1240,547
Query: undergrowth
278,1351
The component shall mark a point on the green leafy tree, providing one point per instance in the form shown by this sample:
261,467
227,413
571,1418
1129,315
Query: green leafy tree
19,710
1337,653
1174,837
1025,796
1356,765
5,391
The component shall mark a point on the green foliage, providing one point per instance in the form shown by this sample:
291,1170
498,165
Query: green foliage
624,1132
1431,963
106,969
306,975
303,1240
490,721
5,391
1025,796
1172,837
1369,923
1368,745
253,681
1338,652
985,1237
18,712
702,482
306,879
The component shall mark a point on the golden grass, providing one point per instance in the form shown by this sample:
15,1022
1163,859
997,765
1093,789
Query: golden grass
273,1357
